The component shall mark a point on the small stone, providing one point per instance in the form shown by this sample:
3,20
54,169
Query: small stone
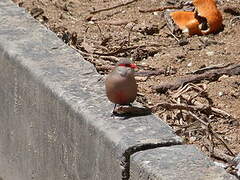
192,139
223,77
150,103
210,53
90,22
155,13
205,38
189,64
220,93
130,25
141,79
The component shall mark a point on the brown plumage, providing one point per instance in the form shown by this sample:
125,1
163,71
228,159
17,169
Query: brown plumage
121,87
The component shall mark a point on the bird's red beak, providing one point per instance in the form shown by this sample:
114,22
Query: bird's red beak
133,66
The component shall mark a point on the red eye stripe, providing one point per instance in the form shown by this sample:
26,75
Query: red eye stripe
128,65
124,65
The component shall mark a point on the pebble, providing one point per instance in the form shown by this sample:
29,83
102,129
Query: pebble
189,64
141,79
150,103
210,53
90,22
223,77
220,94
192,139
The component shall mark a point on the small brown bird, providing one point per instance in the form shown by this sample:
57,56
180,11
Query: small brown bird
121,86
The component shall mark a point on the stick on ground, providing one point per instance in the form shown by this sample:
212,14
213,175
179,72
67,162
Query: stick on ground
113,7
197,78
160,9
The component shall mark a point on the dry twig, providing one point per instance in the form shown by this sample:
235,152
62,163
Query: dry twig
233,19
120,50
160,9
204,69
212,132
191,100
119,22
197,78
113,7
153,72
109,58
187,111
213,109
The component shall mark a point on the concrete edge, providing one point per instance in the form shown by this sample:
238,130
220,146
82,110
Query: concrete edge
176,162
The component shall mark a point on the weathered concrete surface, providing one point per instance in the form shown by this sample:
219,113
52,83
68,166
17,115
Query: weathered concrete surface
182,162
8,170
54,116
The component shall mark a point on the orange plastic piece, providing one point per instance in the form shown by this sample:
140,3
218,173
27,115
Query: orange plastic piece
209,10
188,22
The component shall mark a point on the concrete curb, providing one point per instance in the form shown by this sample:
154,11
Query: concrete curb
176,162
55,118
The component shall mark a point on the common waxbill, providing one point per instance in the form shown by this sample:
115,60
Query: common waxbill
121,87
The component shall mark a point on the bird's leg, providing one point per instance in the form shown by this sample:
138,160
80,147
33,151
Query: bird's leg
115,105
113,112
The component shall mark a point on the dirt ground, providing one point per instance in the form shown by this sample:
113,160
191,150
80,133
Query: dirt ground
103,35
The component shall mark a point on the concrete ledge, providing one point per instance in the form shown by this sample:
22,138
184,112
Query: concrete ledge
181,162
55,118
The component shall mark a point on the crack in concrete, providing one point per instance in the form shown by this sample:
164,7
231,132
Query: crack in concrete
125,163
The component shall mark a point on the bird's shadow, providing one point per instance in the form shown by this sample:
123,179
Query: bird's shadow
131,111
